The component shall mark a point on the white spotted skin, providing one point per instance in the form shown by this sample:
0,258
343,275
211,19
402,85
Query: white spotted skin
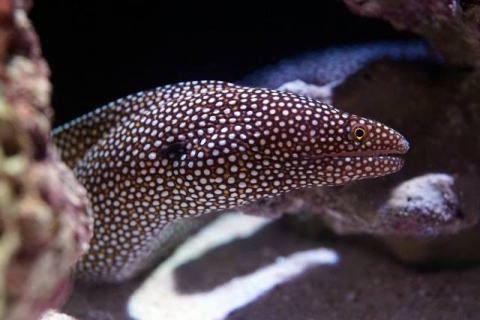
76,137
196,148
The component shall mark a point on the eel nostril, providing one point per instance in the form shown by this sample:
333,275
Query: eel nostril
403,145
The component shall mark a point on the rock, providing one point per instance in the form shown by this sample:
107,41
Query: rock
45,223
452,26
423,205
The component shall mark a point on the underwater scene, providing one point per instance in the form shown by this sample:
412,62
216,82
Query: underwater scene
239,161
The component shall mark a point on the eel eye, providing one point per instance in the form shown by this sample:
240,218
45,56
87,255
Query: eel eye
359,132
173,151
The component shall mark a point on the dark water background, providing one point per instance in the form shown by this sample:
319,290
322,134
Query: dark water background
102,50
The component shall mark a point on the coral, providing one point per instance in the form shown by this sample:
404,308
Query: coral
45,223
429,198
451,25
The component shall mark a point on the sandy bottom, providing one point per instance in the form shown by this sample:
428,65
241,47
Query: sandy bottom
260,270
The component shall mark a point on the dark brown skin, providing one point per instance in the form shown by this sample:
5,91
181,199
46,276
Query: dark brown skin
195,148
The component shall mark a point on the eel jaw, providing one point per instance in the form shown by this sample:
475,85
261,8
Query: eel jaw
357,165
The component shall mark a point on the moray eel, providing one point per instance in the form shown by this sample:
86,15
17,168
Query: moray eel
195,148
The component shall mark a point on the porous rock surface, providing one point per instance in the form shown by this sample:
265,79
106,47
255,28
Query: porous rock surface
45,223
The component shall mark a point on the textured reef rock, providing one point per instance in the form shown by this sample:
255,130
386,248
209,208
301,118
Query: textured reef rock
451,25
430,198
44,221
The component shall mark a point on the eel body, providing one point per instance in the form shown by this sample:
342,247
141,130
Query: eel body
336,64
187,150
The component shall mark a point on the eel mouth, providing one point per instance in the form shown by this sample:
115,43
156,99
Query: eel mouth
380,162
392,154
401,147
